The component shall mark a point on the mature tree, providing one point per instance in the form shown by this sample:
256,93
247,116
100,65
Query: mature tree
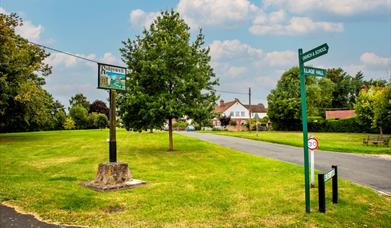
99,106
373,107
24,105
79,115
224,120
285,102
344,91
170,76
80,99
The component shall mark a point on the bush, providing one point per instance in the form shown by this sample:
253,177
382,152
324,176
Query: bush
101,121
233,123
69,124
343,125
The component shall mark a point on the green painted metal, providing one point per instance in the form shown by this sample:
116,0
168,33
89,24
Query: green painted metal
305,132
316,72
314,53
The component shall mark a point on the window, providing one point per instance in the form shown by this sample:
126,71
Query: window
242,113
237,113
231,114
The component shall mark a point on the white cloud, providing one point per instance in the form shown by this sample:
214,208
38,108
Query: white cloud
139,18
27,30
60,60
337,7
235,71
232,49
216,13
108,57
281,58
373,59
275,24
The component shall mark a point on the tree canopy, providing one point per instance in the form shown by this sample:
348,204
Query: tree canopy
24,104
170,76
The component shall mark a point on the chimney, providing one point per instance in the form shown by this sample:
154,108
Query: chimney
221,102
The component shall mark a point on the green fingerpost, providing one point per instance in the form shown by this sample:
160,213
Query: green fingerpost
304,57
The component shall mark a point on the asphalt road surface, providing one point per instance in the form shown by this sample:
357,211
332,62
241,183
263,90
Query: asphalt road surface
370,170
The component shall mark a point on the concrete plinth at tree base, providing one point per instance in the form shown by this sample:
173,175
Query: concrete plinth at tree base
113,176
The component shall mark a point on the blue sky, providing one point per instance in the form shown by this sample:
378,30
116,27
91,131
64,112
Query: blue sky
252,42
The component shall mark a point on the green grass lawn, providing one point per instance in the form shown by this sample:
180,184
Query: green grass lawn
199,184
340,142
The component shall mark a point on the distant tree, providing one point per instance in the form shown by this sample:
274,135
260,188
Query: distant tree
224,120
101,121
69,124
99,106
79,115
373,107
170,77
285,102
79,99
344,91
24,104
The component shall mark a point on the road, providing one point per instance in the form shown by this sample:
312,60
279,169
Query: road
370,170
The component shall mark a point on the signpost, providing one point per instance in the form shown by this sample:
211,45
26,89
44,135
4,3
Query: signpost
112,78
312,145
305,57
112,175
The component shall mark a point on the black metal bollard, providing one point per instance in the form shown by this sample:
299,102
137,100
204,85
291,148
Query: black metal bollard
335,184
321,193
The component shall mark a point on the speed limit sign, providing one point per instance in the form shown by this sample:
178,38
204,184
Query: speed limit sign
313,143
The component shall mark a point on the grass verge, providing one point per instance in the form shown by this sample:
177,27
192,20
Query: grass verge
199,184
339,142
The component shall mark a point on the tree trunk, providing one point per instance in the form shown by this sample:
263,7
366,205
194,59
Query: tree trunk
170,144
381,132
151,130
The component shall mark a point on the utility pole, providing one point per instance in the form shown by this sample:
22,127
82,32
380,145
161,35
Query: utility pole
249,108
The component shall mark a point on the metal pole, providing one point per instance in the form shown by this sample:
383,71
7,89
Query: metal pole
321,192
335,184
305,132
249,108
312,161
112,141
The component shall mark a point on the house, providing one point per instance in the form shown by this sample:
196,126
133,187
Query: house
238,111
340,114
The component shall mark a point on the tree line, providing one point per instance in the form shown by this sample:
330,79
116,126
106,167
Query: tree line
337,91
24,104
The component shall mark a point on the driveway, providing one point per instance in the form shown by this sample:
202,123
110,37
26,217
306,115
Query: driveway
370,170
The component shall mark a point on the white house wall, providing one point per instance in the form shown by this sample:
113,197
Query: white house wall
237,108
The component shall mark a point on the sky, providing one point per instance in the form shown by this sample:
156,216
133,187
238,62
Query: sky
251,42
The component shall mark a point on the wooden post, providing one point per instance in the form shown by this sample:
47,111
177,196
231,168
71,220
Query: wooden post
113,140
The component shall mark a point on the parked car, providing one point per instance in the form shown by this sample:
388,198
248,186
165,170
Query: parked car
190,128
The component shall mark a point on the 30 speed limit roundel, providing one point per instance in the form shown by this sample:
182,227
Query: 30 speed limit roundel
313,143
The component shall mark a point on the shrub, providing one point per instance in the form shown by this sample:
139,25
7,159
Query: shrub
233,123
69,124
101,121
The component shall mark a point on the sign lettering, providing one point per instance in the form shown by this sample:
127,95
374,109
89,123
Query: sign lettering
312,71
314,53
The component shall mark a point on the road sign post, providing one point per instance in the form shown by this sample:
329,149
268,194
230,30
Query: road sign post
312,146
305,57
